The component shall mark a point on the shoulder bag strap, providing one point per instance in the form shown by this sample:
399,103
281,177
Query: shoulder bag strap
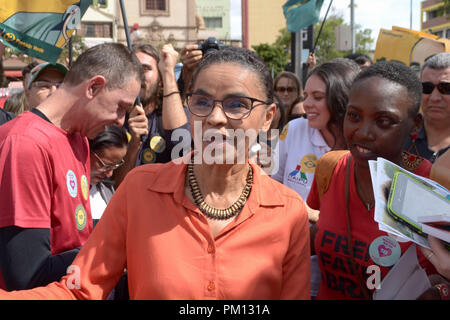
363,288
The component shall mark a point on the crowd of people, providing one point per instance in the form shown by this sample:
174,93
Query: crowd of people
105,196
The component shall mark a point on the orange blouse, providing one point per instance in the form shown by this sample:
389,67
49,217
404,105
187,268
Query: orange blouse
151,228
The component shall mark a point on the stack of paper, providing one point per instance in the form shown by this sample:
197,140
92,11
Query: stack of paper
438,226
382,173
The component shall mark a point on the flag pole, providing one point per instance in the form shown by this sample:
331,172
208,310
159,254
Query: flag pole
125,24
321,27
70,52
127,35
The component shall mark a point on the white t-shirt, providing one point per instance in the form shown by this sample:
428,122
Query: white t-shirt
98,204
300,147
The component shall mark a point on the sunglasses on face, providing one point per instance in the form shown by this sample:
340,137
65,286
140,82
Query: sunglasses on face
285,89
443,87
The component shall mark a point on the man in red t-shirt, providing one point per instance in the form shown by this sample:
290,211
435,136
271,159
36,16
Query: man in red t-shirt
44,166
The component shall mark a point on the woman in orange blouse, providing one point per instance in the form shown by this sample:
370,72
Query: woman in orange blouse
212,226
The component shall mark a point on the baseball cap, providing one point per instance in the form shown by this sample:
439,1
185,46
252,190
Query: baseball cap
44,66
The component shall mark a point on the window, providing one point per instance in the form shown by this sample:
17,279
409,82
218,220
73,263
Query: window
447,34
96,29
154,7
101,3
439,33
213,22
432,14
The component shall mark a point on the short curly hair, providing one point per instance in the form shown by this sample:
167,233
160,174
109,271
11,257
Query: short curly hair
243,57
398,73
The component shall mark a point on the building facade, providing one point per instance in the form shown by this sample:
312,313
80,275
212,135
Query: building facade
215,19
435,18
99,24
160,21
261,21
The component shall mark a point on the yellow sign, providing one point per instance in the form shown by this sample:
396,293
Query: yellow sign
408,46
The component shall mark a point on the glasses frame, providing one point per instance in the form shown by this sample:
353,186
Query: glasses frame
107,167
51,83
215,101
439,86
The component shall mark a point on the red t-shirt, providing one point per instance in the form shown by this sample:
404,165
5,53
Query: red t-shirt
44,174
331,245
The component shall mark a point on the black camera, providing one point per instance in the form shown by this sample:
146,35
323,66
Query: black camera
210,45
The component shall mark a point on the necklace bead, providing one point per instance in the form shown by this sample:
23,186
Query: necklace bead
214,213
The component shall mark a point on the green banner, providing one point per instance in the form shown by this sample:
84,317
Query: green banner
301,14
40,28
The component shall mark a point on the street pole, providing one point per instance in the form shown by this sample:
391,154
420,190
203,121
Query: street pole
352,24
410,14
298,54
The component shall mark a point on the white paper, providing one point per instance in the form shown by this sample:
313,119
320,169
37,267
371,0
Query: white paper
406,280
384,171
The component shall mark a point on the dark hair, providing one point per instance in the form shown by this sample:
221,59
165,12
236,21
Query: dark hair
111,60
27,69
113,136
398,73
289,75
243,57
147,49
338,78
282,108
296,101
359,58
15,103
150,50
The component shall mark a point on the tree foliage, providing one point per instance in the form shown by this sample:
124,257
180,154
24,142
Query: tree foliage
325,47
78,47
278,54
275,56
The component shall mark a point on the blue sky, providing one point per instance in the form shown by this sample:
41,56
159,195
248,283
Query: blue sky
371,14
376,14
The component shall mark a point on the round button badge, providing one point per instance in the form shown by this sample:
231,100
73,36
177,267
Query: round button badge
148,156
71,183
158,144
84,187
80,217
385,251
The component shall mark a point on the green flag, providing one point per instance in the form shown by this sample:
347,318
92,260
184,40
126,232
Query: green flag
301,14
40,28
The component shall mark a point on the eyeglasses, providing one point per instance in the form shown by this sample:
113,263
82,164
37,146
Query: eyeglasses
285,89
235,108
443,87
45,85
107,167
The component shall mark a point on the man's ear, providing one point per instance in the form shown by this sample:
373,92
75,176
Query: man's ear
95,85
270,113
